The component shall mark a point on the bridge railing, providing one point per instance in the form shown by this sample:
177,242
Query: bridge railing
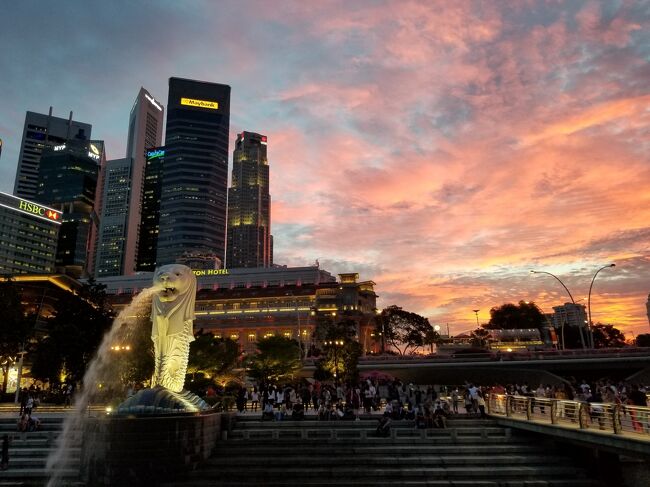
613,418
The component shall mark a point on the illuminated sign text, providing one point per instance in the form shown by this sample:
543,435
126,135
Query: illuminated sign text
59,147
153,102
38,210
154,154
210,272
212,105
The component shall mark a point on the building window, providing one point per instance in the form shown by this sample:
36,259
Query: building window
234,336
252,337
287,334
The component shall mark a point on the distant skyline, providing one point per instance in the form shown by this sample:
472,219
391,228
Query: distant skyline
440,149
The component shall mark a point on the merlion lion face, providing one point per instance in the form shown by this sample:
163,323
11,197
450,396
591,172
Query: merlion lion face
173,281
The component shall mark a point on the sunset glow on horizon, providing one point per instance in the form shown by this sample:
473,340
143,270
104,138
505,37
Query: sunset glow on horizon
440,149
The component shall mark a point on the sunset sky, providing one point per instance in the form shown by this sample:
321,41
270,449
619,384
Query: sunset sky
440,148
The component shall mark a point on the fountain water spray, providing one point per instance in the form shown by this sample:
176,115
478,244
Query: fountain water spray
100,370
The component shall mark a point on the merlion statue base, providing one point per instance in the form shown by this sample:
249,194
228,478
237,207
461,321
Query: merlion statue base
158,401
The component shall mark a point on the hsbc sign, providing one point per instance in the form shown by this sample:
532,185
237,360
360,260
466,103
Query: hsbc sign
31,208
40,211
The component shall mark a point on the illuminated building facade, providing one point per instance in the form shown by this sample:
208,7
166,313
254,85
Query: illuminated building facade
120,191
647,307
195,177
569,314
67,182
115,188
150,212
28,236
249,204
41,131
247,304
145,132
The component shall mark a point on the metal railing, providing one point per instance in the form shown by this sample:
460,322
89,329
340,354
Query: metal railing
608,417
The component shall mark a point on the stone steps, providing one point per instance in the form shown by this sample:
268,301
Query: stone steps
470,453
393,483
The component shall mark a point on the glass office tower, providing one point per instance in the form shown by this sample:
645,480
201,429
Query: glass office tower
195,177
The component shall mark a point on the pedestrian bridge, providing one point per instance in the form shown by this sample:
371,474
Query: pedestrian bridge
532,367
615,428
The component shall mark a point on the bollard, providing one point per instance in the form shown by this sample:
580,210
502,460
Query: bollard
509,400
529,408
553,411
616,419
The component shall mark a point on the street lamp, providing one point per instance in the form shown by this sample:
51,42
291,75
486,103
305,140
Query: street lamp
572,300
476,313
590,323
336,344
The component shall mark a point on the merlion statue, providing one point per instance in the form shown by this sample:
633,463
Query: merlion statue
172,314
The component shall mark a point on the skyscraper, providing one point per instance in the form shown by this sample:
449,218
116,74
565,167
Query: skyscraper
121,191
41,131
67,182
195,178
249,204
115,190
28,236
150,218
145,132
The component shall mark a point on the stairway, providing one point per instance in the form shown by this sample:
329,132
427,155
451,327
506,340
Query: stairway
28,451
469,453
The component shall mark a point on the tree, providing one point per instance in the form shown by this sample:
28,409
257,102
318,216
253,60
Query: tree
214,357
479,337
277,358
643,340
74,333
403,330
16,328
607,336
432,338
525,315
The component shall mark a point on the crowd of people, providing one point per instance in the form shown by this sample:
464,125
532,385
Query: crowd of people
391,399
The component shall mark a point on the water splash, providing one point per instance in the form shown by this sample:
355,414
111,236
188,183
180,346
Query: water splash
101,370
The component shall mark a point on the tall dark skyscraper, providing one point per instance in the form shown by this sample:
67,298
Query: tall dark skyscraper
67,182
121,191
42,131
150,222
249,204
195,177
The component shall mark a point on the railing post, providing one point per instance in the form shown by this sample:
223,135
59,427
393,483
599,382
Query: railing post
616,419
489,403
553,411
508,406
583,413
529,408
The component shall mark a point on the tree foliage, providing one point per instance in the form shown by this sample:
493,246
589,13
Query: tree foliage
74,334
525,315
643,340
214,357
277,358
403,330
607,336
16,327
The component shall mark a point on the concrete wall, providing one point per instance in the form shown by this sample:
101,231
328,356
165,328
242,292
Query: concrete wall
145,450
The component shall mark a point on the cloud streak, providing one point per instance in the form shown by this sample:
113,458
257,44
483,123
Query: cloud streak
442,150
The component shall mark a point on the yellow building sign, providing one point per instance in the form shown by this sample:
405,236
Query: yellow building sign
212,105
210,272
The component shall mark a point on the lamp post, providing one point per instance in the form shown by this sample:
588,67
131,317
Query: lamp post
572,300
590,323
476,313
